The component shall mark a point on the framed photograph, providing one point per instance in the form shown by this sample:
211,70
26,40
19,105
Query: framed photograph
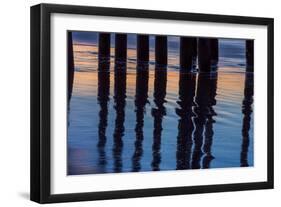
133,103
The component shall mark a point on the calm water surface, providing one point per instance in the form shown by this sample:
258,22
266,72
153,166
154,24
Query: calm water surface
157,118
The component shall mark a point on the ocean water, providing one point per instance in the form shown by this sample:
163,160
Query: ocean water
155,119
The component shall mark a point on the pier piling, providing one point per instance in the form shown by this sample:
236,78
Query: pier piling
204,54
120,47
70,63
188,53
214,51
104,46
142,48
161,50
250,55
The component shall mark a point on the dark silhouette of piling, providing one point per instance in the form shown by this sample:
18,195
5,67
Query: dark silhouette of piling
204,54
70,65
119,106
103,99
247,111
187,83
141,99
142,48
188,53
161,50
250,55
120,67
214,51
120,47
104,46
160,83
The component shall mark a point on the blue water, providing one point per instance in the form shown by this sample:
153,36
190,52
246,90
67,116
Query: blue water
159,120
231,51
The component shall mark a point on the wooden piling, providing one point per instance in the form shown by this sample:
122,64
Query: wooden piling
120,66
161,50
142,48
250,55
70,64
204,54
120,47
104,65
188,53
214,50
104,45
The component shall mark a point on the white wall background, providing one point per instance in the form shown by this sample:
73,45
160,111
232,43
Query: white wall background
14,104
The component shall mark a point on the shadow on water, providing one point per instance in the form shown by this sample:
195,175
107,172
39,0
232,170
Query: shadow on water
247,111
141,99
187,83
158,112
103,99
203,120
119,106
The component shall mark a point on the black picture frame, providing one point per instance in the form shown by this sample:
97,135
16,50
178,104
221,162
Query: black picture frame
40,102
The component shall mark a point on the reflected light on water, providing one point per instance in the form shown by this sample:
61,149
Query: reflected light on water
131,118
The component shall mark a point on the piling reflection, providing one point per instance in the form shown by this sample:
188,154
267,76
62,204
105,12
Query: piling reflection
103,99
247,111
205,100
209,132
140,102
185,125
183,128
158,112
119,106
